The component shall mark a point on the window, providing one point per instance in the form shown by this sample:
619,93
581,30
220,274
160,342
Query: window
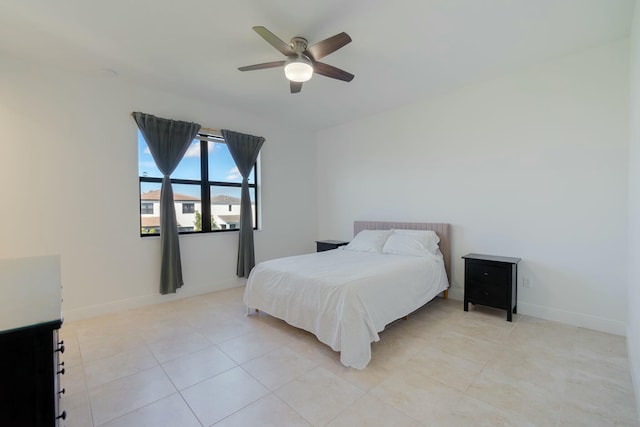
206,188
188,208
146,208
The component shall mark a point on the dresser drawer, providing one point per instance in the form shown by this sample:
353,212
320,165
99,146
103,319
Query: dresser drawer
490,294
488,273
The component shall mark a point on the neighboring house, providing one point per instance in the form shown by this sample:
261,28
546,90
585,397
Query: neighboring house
186,207
224,209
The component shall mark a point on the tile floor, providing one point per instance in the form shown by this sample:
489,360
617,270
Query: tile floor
201,362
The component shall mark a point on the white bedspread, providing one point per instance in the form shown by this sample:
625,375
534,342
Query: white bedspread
345,297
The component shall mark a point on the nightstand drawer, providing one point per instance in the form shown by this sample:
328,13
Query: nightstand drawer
490,294
489,273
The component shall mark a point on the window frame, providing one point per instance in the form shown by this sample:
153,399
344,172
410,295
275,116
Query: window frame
205,189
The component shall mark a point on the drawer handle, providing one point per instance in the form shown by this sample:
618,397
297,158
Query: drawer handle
62,391
61,371
486,274
63,415
60,347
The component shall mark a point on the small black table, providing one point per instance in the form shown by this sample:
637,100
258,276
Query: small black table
492,281
327,245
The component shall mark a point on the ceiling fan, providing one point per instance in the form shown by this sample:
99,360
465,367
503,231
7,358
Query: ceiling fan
302,61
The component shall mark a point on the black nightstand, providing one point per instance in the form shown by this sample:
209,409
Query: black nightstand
492,281
327,245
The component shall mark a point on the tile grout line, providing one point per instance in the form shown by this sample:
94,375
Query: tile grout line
84,375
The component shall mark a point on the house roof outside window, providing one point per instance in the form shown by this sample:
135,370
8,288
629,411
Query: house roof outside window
154,195
223,199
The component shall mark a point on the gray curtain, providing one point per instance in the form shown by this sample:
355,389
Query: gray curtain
168,140
244,149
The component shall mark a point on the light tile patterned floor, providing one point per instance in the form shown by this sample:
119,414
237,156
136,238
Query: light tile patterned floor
201,362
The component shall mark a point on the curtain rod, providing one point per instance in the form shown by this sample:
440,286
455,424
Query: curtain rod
213,132
210,131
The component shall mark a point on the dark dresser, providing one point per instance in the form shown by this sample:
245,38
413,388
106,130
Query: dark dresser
29,345
492,281
30,387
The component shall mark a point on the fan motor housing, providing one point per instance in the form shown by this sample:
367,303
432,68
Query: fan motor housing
299,44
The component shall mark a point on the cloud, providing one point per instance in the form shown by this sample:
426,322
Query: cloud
234,174
193,150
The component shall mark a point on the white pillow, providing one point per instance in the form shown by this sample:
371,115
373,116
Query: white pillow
368,241
412,242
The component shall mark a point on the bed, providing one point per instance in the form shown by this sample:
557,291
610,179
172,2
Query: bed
346,296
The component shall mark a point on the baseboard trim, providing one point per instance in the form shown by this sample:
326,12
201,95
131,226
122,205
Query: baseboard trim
456,294
568,317
135,302
572,318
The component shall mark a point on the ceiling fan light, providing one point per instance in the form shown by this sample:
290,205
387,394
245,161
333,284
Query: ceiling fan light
298,70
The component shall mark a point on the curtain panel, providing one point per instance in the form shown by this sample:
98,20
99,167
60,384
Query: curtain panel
168,141
244,149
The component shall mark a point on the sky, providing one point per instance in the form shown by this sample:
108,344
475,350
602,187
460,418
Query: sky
221,168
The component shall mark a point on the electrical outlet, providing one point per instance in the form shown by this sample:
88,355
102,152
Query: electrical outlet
526,282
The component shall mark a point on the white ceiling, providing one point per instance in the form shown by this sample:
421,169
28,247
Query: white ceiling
402,50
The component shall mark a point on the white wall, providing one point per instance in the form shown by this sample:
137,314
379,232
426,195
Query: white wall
70,187
530,165
633,321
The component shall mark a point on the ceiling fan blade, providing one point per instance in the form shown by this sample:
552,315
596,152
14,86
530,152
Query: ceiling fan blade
274,40
331,71
262,66
327,46
295,86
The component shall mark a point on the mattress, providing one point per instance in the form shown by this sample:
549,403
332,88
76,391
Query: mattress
345,297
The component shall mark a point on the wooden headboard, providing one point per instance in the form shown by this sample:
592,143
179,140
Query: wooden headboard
441,229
